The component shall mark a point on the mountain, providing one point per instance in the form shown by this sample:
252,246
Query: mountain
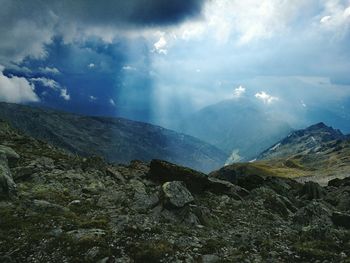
237,127
318,153
309,140
58,207
115,139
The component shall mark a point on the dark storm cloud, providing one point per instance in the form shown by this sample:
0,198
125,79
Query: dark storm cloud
27,26
131,12
105,12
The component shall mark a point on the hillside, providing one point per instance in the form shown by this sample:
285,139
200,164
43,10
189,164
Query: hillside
318,153
115,139
57,207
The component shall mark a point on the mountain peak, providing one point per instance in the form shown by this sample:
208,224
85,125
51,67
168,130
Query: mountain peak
320,125
309,139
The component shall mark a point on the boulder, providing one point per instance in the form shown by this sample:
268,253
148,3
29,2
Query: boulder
10,154
162,171
273,202
240,175
196,182
339,182
7,185
250,182
176,194
341,219
313,213
311,190
339,198
142,201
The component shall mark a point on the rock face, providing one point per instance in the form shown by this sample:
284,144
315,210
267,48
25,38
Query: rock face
176,194
74,209
162,171
341,219
312,190
7,185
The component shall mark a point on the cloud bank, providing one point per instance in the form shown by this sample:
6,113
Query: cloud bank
16,90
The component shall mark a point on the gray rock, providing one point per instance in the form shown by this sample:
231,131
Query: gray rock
82,235
313,213
176,194
273,202
10,154
311,190
8,187
23,173
341,219
210,259
142,200
162,171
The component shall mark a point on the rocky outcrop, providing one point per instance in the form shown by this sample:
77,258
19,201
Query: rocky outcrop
7,184
311,190
176,194
341,219
162,171
74,209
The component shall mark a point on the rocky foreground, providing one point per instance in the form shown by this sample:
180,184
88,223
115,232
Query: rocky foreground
55,207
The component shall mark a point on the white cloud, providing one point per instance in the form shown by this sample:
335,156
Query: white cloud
160,46
50,83
325,19
49,70
336,17
127,67
92,98
64,94
238,92
265,97
16,89
303,104
91,65
112,102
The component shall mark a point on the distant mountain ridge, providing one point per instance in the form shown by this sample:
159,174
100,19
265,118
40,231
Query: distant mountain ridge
116,139
237,127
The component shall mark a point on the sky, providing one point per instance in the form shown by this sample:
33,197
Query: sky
159,61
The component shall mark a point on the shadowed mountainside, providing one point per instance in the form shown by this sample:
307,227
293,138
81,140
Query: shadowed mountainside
115,139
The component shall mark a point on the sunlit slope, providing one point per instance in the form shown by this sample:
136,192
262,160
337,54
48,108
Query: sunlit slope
318,153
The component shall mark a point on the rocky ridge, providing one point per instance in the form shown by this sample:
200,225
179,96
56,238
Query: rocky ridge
115,139
58,207
309,140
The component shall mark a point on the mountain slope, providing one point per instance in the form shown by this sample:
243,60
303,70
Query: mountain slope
64,208
237,127
318,153
309,140
115,139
